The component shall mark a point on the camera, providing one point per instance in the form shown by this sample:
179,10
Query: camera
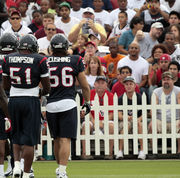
85,28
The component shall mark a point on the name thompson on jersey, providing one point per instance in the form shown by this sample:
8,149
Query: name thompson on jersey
17,59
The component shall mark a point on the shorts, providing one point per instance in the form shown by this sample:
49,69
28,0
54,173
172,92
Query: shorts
130,125
25,113
168,125
63,124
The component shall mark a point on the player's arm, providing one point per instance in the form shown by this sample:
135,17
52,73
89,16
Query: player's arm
84,85
3,101
6,84
45,86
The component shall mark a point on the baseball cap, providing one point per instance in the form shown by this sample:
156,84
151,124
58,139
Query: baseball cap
15,12
129,78
167,74
157,25
95,34
166,57
89,9
101,77
91,42
65,4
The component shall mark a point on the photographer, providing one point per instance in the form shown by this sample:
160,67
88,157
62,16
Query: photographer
87,26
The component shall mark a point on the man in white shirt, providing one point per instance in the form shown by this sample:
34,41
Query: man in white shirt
44,42
76,10
138,65
171,5
66,22
16,28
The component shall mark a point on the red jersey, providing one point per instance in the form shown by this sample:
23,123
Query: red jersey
101,102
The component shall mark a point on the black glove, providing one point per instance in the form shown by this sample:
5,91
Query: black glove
87,106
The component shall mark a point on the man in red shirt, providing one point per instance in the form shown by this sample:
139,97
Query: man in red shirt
118,87
100,86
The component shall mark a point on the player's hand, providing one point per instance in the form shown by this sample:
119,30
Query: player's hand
7,125
87,106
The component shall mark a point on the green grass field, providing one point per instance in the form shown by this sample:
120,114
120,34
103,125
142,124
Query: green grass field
112,169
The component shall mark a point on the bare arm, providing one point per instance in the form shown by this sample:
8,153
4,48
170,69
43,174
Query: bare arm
122,50
143,81
6,83
84,85
46,85
120,115
3,101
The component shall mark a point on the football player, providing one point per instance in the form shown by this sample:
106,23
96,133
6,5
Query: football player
61,105
8,44
22,73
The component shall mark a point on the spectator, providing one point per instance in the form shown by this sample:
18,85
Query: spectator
65,22
147,41
16,28
87,26
112,60
37,21
79,47
173,50
47,18
52,7
118,87
101,15
114,14
171,5
138,65
152,12
89,3
44,42
22,7
122,25
93,70
128,36
130,85
100,88
77,9
3,13
168,89
176,30
44,6
174,68
91,50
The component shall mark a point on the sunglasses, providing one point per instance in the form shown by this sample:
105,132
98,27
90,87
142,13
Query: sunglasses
15,18
49,29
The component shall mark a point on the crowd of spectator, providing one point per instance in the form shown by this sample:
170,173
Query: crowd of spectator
127,46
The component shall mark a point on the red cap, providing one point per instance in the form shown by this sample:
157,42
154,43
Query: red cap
91,42
15,12
165,57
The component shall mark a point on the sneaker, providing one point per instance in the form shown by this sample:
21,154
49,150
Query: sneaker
63,175
9,172
17,172
31,173
57,172
108,157
85,157
119,155
141,155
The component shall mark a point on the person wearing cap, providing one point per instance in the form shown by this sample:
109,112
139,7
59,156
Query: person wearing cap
100,89
130,85
147,40
66,22
167,89
152,11
16,27
87,26
164,61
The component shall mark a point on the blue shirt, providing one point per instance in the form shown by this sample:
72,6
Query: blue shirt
126,39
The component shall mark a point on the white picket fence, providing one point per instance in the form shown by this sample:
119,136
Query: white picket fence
97,137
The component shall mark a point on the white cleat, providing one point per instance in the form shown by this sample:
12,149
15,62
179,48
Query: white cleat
63,175
57,172
16,172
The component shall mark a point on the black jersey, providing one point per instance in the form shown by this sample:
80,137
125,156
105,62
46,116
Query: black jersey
25,70
63,71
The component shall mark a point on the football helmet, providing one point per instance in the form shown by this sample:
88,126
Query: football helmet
59,41
28,42
8,42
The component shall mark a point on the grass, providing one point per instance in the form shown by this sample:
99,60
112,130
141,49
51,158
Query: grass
112,169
